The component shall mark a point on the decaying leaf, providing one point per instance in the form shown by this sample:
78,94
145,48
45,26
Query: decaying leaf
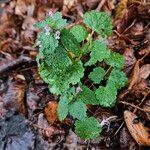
145,71
122,6
137,129
67,5
14,97
130,60
51,111
135,76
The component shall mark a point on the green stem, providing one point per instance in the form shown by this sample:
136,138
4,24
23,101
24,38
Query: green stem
108,70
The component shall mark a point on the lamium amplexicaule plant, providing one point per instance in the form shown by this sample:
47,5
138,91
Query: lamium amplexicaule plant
79,67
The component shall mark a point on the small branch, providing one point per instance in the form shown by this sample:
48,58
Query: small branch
126,103
101,4
10,65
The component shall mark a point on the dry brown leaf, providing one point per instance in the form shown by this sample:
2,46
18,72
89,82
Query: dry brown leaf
51,111
69,4
127,19
122,6
137,129
130,60
135,76
144,71
92,4
14,97
25,7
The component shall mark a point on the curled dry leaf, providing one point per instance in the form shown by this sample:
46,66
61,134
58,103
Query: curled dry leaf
137,130
51,111
135,75
145,71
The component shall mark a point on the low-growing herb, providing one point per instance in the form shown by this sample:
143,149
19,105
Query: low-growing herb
78,66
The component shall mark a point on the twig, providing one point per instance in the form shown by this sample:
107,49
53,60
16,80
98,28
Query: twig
131,25
99,7
11,65
142,101
126,103
119,128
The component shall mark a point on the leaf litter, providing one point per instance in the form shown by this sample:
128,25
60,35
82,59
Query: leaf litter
28,111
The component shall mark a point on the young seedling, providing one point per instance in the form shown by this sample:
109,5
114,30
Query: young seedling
78,67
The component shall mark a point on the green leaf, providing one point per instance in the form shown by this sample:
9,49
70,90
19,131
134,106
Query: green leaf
71,75
55,22
62,110
78,110
41,24
59,60
48,43
115,60
75,72
99,22
70,43
79,32
87,96
88,128
97,75
59,86
106,95
99,53
46,73
117,78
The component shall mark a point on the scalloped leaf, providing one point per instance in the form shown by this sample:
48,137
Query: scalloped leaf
117,78
62,110
47,42
78,110
79,32
55,22
106,95
99,22
76,72
115,60
70,43
87,96
97,75
99,52
88,128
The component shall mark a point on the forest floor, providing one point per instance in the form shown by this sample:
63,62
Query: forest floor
26,105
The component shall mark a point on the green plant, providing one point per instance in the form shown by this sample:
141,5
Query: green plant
78,67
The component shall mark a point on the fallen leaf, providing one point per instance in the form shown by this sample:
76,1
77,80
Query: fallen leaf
121,8
138,131
68,5
47,130
25,7
15,133
130,60
126,140
128,17
92,4
135,75
144,71
51,111
13,99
